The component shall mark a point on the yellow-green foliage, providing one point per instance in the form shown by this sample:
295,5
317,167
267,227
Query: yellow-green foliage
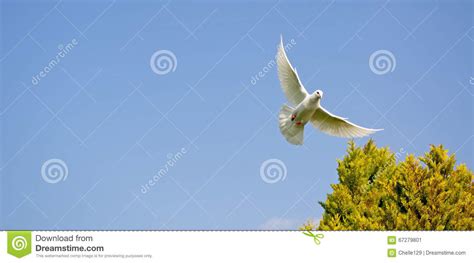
376,193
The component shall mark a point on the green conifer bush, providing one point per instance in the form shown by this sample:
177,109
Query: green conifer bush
375,192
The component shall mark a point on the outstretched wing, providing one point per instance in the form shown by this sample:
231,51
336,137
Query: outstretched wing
338,126
290,82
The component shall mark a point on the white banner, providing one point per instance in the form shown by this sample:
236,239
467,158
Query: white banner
235,246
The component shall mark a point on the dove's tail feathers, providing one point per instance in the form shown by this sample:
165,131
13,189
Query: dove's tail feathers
293,133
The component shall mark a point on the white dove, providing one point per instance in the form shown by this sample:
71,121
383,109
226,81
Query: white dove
308,108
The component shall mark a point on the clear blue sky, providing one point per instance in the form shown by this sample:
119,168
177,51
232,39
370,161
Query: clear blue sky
99,109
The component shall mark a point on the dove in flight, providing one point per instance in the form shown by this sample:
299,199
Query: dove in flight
307,108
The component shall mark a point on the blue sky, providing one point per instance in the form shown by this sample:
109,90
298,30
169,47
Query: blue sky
114,123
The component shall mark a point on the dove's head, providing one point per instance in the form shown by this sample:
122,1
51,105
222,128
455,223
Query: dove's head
318,94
